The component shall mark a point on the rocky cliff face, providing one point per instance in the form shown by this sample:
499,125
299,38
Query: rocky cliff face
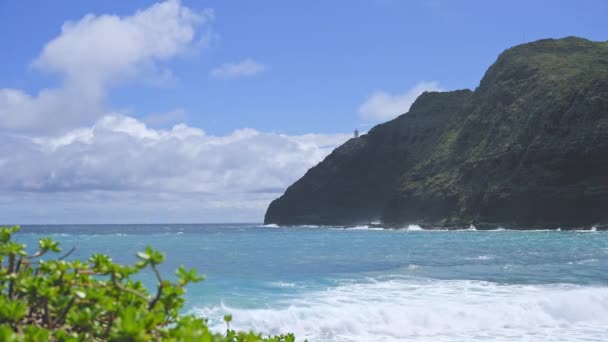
528,148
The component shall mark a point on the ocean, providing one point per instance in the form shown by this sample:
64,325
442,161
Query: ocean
362,284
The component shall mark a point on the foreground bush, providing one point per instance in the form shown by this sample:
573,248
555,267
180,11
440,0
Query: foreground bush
98,300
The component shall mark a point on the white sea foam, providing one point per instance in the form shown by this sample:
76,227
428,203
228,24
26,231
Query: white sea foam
433,310
359,228
471,228
282,284
582,262
414,227
481,257
104,235
365,228
312,226
592,230
272,225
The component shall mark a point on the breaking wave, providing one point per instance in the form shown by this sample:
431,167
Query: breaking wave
397,309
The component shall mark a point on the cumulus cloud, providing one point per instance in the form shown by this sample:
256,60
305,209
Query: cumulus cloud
244,68
382,106
120,154
95,53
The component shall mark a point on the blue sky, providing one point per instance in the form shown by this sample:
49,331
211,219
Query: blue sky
247,71
322,58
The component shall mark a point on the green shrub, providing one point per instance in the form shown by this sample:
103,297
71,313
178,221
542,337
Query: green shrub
97,300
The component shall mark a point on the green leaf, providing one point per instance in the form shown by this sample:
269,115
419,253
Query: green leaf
7,334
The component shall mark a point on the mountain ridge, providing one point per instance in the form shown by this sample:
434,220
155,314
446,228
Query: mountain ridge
527,148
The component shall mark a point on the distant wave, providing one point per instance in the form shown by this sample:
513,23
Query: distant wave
282,284
592,230
365,228
432,310
272,225
472,228
581,262
481,257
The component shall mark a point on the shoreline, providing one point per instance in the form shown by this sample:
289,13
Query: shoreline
426,227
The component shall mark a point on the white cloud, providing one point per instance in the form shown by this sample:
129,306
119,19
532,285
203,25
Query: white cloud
65,157
100,49
95,53
382,106
121,156
244,68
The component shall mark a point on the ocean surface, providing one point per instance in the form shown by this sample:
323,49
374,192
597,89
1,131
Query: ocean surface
332,284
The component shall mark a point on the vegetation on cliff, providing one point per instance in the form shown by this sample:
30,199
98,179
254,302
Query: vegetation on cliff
97,300
526,149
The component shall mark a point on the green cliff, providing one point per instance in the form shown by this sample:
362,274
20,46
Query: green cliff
528,148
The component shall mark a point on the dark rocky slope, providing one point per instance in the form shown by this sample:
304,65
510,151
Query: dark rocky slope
528,148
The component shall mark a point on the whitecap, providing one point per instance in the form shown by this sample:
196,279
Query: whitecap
365,228
282,284
591,230
431,310
359,228
481,257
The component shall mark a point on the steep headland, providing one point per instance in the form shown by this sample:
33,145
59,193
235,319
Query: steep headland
528,148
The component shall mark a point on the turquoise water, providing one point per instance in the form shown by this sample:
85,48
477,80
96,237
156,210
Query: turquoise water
331,284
